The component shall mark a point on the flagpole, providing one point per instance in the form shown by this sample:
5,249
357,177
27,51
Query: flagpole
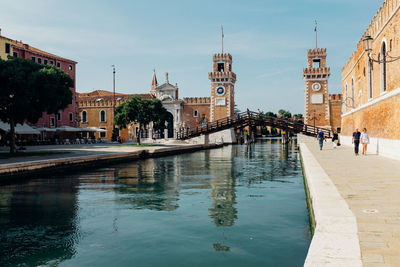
222,30
316,35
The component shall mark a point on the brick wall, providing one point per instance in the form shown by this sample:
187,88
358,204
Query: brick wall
381,118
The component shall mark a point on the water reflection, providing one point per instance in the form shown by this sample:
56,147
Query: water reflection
38,222
162,211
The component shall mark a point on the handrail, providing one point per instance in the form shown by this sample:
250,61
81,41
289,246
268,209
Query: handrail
251,118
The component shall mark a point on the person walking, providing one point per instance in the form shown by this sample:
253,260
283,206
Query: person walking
364,141
321,138
335,139
356,141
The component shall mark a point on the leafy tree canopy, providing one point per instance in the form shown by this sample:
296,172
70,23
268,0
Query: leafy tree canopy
141,111
28,89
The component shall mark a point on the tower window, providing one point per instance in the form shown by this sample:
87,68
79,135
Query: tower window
221,67
71,117
195,113
316,63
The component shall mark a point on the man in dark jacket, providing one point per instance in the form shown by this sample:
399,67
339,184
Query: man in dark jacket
356,141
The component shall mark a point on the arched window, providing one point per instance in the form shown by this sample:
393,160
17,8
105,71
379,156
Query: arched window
352,93
345,98
102,116
84,116
195,113
383,59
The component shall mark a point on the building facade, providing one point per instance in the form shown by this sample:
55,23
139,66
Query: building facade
371,89
96,109
6,48
320,108
68,116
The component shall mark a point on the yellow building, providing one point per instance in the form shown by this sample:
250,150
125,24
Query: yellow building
5,47
371,84
95,109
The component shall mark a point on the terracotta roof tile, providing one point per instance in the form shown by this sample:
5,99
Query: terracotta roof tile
21,45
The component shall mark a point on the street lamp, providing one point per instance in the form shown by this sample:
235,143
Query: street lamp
114,133
367,40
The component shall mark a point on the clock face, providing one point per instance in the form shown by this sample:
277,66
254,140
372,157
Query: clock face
316,86
220,90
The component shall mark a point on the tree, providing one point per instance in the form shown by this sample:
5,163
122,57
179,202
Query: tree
285,113
28,89
299,116
270,114
142,112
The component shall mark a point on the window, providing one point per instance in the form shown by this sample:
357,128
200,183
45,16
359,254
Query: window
352,93
369,81
34,59
382,57
45,62
84,116
221,67
230,67
52,121
70,67
316,63
345,98
59,116
103,134
137,131
15,54
195,113
71,117
8,48
39,60
58,64
51,62
102,116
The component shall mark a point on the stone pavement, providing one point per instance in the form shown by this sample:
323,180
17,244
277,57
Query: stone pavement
76,151
371,187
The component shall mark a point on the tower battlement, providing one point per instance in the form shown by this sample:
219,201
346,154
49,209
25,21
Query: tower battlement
317,52
197,100
335,97
222,57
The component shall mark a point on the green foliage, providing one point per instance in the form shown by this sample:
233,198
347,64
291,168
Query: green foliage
270,114
28,89
141,111
285,113
299,116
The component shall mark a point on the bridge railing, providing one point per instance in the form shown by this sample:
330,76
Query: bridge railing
250,118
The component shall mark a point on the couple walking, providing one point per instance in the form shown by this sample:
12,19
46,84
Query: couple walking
363,137
321,138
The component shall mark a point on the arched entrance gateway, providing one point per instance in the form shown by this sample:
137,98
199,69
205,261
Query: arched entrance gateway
170,126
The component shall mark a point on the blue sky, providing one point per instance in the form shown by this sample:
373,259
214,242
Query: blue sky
268,40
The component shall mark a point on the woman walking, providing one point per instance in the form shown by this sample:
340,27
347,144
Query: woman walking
364,140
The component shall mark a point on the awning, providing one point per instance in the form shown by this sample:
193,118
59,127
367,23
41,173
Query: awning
88,129
19,129
99,130
66,128
45,129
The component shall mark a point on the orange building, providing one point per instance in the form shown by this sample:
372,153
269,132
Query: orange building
371,84
95,109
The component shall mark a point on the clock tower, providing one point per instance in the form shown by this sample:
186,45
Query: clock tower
316,94
222,87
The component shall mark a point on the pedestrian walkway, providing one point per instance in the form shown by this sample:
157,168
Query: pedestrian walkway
371,187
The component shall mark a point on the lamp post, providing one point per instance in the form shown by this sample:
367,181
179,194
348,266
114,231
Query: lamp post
113,137
314,117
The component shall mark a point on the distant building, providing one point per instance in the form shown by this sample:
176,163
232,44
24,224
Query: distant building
95,109
371,92
13,48
321,109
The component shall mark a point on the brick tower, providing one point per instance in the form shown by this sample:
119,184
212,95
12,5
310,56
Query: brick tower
316,94
222,87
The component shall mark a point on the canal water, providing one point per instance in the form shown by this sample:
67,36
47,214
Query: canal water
234,206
